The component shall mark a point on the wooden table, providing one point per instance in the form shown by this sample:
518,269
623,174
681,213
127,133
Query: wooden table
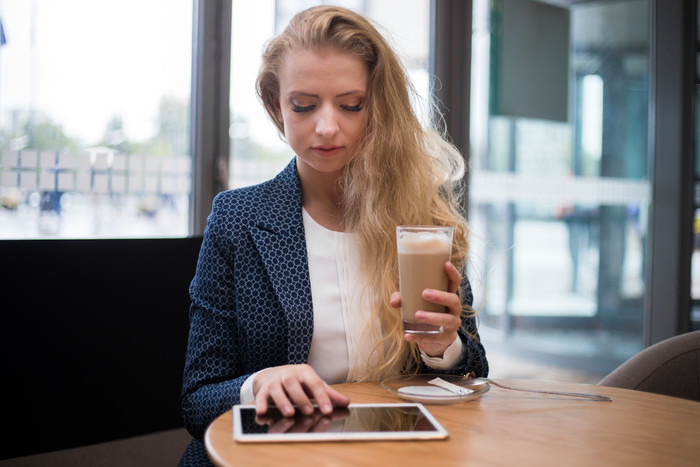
506,428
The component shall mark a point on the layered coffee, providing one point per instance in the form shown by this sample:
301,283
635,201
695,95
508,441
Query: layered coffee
422,252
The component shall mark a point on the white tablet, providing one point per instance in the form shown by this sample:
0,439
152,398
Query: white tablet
357,422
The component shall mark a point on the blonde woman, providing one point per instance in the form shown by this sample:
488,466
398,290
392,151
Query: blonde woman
296,283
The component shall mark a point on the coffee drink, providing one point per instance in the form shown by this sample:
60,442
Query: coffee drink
423,252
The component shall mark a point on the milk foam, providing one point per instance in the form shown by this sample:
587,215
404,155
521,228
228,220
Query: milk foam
423,243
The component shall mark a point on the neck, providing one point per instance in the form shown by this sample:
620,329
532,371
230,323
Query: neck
321,196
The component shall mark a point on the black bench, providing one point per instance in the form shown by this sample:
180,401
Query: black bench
93,340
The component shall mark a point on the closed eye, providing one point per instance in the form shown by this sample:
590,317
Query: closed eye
352,108
298,108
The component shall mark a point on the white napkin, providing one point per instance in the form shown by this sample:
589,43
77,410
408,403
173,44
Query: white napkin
439,388
450,387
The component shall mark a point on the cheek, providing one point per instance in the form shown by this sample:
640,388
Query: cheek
293,132
357,130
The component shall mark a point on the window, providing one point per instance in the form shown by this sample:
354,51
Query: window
559,189
94,118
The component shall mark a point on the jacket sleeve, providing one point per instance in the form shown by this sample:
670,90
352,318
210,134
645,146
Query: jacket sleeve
473,352
213,371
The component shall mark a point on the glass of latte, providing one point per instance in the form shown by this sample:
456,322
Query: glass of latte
423,252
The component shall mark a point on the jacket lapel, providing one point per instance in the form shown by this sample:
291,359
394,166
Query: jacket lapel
279,237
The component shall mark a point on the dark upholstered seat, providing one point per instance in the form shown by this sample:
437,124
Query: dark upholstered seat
670,367
163,448
93,348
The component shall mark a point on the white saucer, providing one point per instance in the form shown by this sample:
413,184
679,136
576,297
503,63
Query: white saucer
416,388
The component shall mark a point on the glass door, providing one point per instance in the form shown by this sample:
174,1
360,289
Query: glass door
559,188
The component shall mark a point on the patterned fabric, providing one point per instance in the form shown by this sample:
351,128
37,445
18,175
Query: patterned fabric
195,456
251,300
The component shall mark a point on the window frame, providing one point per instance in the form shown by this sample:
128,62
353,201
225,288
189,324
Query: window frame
209,141
670,247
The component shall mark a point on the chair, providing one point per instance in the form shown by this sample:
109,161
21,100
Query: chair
163,448
670,367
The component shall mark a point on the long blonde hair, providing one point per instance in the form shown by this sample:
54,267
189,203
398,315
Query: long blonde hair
402,173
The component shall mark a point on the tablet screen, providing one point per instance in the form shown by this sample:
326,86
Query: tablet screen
356,422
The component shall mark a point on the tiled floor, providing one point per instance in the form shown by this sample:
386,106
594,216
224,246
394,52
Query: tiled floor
504,365
529,358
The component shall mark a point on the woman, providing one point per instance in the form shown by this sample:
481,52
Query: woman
296,283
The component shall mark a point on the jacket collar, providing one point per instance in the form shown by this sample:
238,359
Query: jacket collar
278,235
281,203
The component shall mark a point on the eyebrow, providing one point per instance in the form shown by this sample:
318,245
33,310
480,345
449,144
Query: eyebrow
307,94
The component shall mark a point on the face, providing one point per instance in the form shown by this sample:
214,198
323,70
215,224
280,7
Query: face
322,97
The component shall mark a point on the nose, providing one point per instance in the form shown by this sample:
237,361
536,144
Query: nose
327,124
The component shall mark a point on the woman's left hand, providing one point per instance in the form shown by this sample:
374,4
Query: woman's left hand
435,344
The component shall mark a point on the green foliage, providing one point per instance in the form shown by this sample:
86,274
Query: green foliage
38,132
173,130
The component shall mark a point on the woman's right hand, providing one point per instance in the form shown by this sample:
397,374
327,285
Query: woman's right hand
290,385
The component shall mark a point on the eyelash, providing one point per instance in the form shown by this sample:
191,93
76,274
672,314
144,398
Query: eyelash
298,108
352,108
349,108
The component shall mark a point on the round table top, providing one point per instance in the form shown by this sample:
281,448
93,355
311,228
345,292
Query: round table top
503,427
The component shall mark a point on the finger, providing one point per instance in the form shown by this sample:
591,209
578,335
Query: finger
294,391
449,300
454,278
395,300
320,391
261,391
327,398
261,404
338,399
448,321
278,395
435,344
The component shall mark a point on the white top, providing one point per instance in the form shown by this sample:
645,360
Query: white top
339,352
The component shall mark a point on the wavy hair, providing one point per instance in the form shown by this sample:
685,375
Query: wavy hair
402,173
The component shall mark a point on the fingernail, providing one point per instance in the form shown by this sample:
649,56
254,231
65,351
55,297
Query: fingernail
326,408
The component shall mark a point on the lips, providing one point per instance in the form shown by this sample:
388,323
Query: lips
326,151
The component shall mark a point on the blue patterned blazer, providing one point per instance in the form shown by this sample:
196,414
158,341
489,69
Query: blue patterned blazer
251,298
